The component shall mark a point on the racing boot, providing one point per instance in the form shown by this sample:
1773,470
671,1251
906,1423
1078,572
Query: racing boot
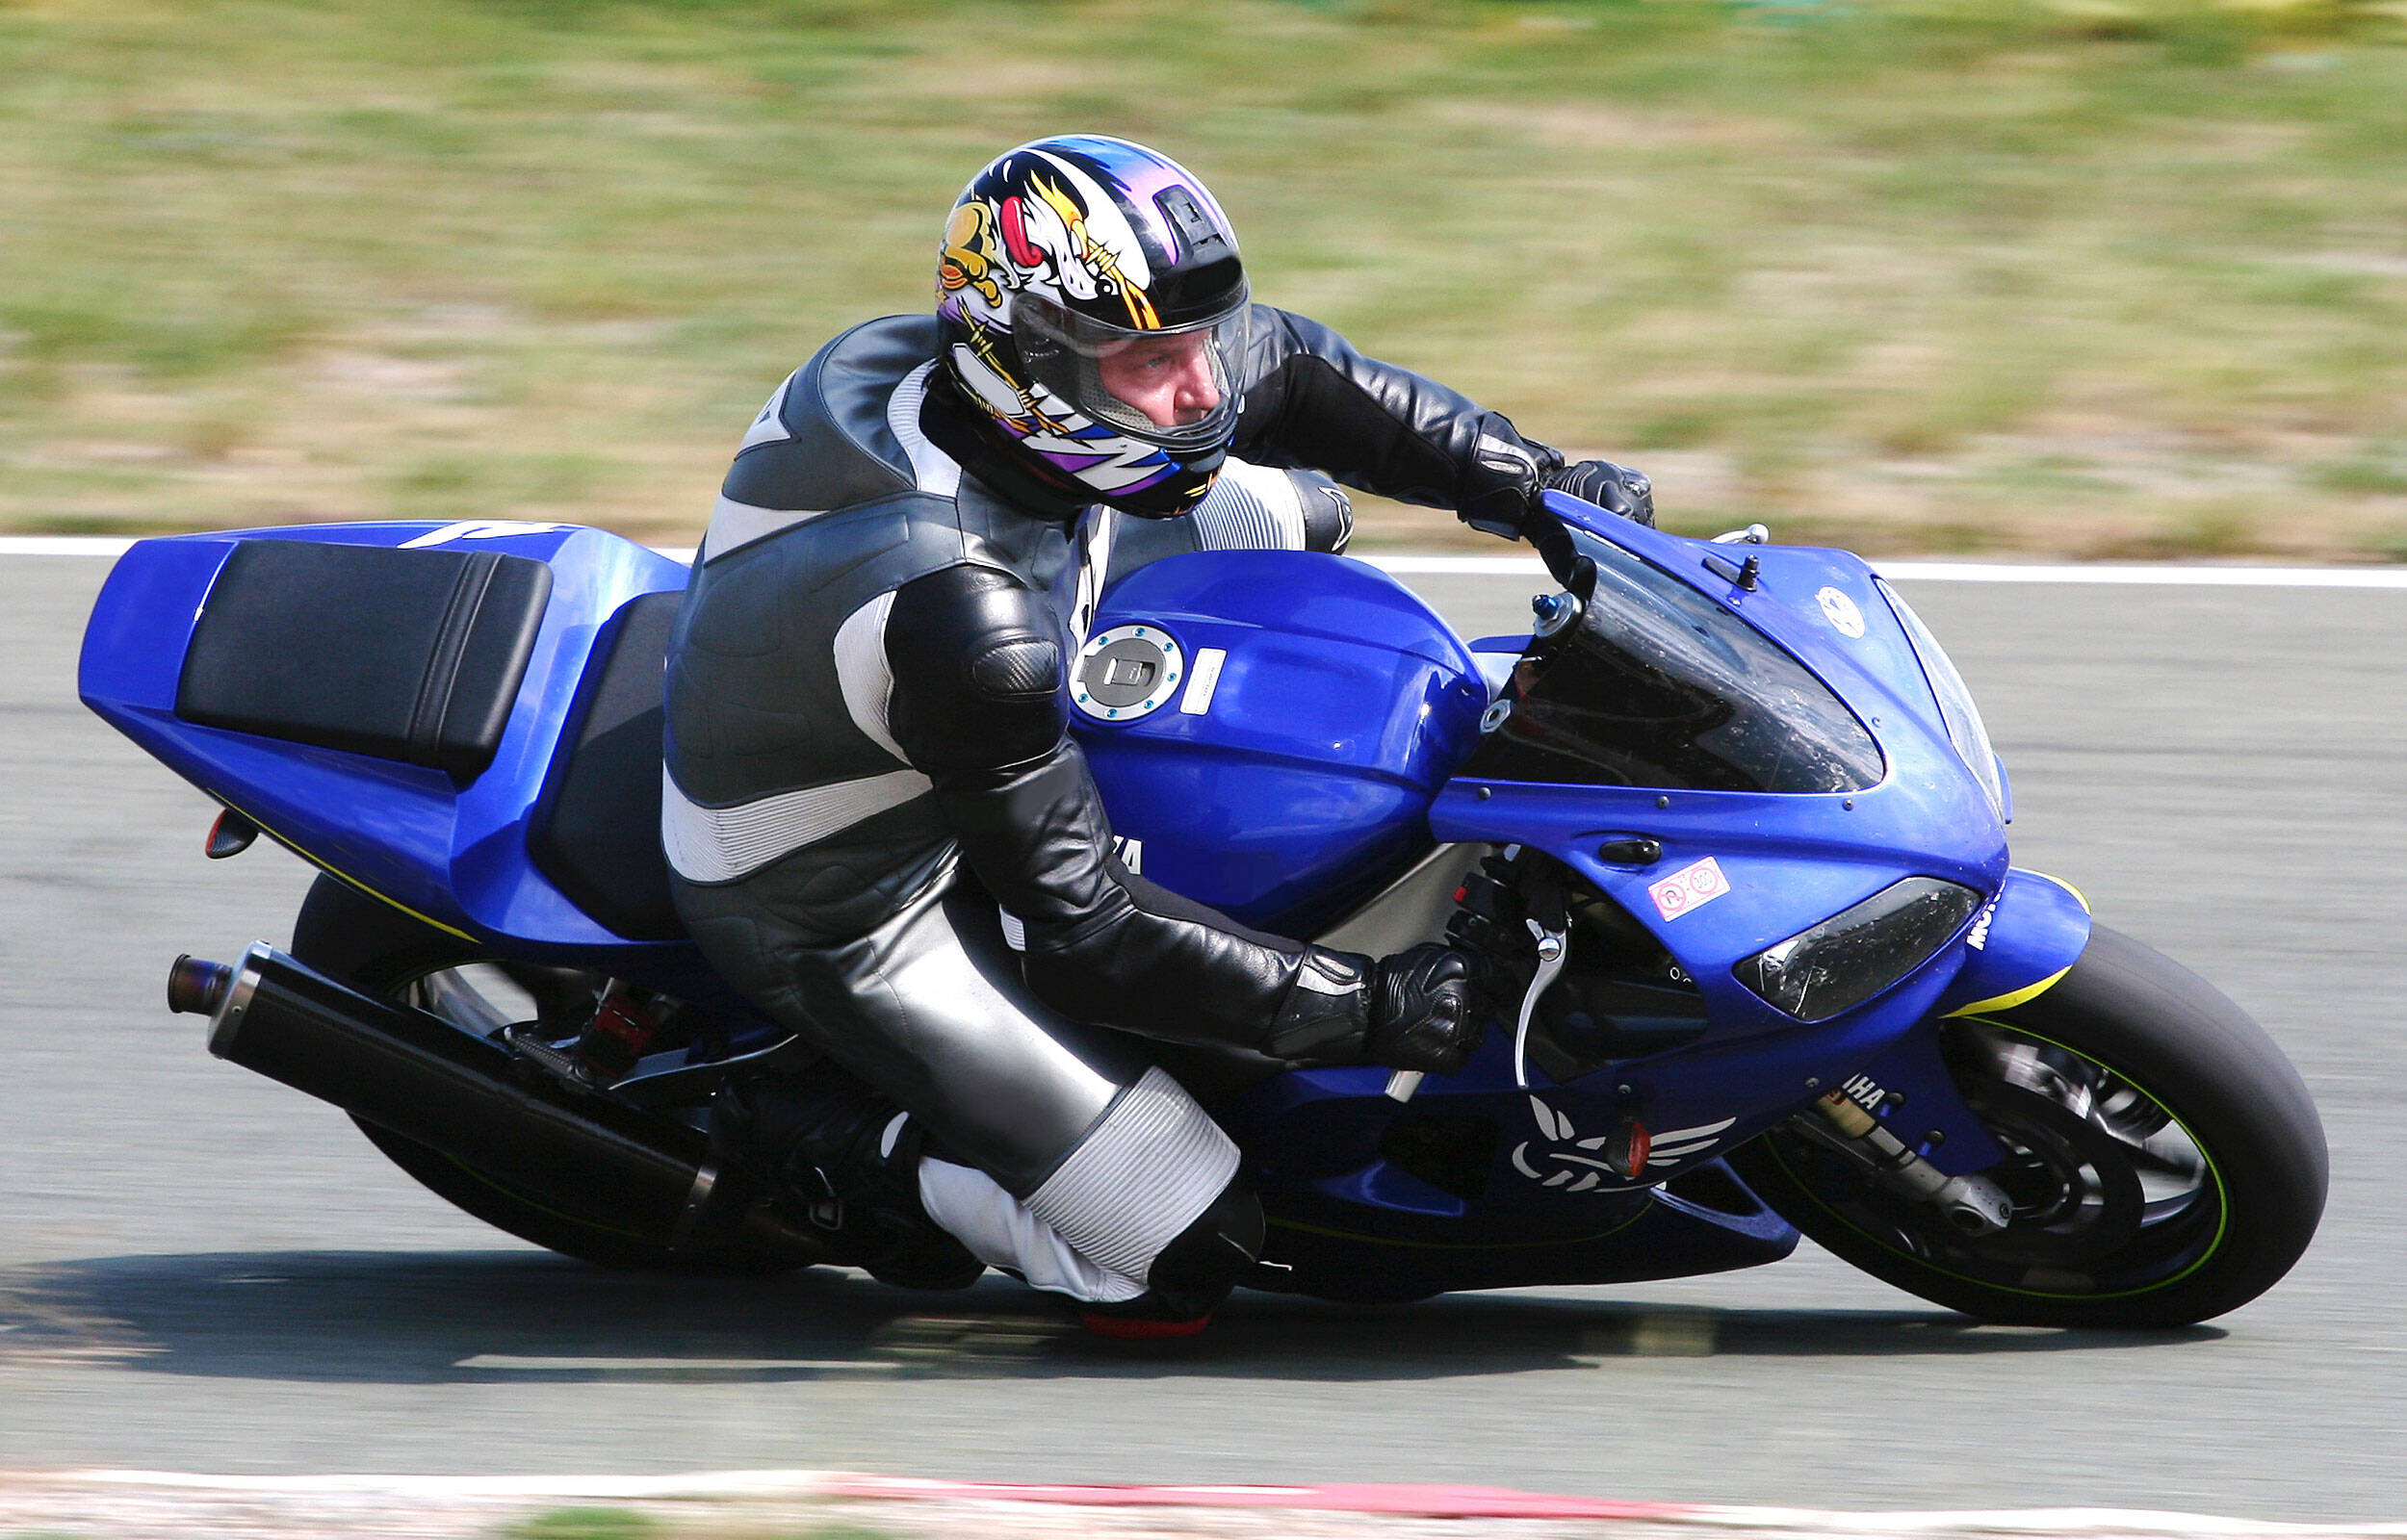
842,1160
1193,1274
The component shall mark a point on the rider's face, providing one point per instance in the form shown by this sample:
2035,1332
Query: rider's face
1167,378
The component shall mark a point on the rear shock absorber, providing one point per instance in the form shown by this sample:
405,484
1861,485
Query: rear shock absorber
624,1024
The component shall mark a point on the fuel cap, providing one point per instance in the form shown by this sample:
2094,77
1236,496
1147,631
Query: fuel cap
1127,672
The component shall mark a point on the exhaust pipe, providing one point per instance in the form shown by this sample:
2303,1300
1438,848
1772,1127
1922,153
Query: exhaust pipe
414,1073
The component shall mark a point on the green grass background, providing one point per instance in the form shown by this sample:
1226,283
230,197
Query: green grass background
2098,277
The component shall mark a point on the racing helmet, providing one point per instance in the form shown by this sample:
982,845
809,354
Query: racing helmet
1091,303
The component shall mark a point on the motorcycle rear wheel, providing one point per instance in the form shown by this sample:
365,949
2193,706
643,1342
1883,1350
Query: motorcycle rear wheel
2165,1159
376,949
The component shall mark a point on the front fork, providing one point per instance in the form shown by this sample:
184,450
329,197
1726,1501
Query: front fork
2020,944
1971,1205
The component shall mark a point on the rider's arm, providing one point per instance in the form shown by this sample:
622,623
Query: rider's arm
1311,399
976,707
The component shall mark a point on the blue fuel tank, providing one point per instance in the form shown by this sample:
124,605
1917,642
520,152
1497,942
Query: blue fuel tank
1269,727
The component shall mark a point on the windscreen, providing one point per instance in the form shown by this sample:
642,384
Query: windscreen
1659,685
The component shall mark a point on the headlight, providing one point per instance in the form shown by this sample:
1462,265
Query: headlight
1956,703
1858,951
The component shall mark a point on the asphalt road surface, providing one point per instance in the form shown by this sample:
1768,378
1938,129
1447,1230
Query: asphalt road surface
202,1271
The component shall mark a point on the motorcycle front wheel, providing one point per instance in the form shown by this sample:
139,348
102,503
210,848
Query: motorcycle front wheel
2164,1161
376,949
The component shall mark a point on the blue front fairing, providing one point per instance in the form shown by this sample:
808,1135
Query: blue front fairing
1783,862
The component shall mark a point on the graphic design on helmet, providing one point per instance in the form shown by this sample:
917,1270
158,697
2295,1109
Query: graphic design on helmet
1090,298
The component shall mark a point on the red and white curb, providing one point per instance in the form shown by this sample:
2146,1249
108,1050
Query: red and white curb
113,1503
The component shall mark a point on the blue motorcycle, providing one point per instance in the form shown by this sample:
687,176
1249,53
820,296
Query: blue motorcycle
1727,821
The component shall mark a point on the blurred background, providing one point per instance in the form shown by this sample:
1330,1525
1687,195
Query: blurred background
2101,278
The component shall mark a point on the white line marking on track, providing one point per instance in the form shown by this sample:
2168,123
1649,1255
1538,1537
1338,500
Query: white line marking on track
1402,565
1972,572
2201,577
61,546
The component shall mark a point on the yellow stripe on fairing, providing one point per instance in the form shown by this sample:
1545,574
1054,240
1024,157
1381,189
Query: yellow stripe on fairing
346,877
2007,1002
2080,896
2029,991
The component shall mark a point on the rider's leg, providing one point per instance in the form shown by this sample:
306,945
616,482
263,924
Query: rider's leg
1187,1279
1097,1154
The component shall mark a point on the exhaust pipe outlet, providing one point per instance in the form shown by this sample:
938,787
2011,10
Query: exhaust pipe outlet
195,987
416,1075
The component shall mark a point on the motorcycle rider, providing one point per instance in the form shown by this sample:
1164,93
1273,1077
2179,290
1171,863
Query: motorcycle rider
878,827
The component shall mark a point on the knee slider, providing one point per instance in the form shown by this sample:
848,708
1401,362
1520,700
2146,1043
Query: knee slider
1212,1256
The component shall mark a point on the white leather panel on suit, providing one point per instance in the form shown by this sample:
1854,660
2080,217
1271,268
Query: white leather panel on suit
720,844
1143,1174
1001,1232
1250,507
865,675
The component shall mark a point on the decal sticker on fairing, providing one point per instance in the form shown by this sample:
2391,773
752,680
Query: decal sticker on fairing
478,529
1568,1170
1688,887
1841,611
1978,938
1578,1168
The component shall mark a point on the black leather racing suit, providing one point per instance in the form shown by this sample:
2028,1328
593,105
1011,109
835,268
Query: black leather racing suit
865,697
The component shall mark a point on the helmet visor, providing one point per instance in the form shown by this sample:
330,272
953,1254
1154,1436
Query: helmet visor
1174,387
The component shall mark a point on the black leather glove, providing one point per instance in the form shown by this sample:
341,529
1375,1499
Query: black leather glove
1614,488
1422,1012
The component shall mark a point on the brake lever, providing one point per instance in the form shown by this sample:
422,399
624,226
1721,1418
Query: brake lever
1550,930
1554,951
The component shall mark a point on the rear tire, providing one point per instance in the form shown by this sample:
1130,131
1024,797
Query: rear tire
378,950
2166,1163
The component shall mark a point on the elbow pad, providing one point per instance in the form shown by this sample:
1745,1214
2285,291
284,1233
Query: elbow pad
975,659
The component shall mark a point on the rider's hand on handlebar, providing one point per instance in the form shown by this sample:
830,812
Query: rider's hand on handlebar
1422,1012
1614,488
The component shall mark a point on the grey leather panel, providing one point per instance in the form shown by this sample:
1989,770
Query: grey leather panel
723,844
1143,1175
840,450
928,1006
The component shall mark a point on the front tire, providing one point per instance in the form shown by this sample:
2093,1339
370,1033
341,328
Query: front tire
376,949
2164,1159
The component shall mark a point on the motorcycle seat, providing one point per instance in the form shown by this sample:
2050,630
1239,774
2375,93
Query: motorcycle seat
412,655
596,828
